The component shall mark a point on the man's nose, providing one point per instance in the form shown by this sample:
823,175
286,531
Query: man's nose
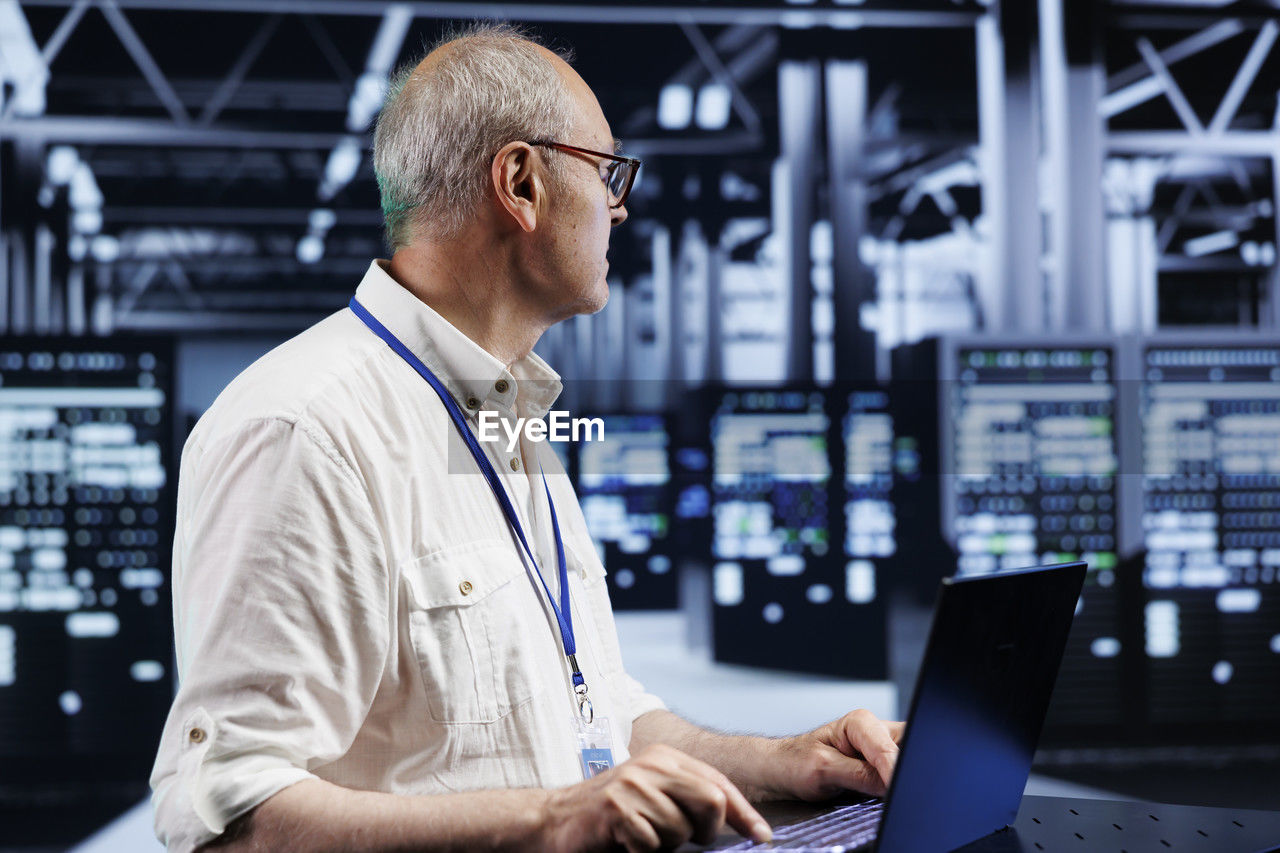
618,215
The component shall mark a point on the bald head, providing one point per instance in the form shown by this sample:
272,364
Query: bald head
445,117
589,113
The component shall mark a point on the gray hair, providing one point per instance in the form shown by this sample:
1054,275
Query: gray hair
438,131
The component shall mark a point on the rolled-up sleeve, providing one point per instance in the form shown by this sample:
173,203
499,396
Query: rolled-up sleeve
281,599
640,700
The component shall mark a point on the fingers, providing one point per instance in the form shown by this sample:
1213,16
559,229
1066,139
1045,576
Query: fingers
872,738
662,808
702,802
636,835
705,797
737,811
639,816
847,773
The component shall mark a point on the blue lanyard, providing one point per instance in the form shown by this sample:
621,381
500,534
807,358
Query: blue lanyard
564,615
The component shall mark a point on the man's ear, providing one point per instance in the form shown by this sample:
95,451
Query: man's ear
517,183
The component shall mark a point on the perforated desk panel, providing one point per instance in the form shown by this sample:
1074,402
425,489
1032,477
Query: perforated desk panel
1073,825
1053,824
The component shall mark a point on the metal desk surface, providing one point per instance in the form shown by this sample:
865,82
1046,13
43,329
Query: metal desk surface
1052,824
1061,823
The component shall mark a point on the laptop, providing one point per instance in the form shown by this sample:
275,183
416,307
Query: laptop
979,705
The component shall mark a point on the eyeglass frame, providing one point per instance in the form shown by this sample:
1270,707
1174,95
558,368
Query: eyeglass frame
633,162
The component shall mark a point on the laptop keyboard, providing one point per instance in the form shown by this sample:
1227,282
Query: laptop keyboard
844,828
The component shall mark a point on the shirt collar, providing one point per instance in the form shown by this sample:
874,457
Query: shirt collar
473,376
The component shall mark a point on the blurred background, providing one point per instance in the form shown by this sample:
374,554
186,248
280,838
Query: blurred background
908,288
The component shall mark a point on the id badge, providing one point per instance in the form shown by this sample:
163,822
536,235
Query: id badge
595,745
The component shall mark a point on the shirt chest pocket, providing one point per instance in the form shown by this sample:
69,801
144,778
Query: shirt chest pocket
476,630
597,595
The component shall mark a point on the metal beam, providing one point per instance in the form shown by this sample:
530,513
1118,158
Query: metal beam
1172,91
1175,19
239,70
329,50
1236,217
25,219
5,239
893,16
907,177
1237,143
1170,225
1007,79
161,133
705,144
1244,77
799,109
990,284
741,105
116,95
142,279
713,352
1130,96
54,45
25,70
107,130
853,285
1272,316
1176,52
63,32
77,317
752,56
170,216
731,41
182,284
42,280
159,321
1083,250
1059,136
668,315
1211,263
257,266
270,301
143,59
20,281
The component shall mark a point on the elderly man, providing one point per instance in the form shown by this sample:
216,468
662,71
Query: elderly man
389,636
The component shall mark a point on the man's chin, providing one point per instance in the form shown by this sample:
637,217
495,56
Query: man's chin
600,297
593,302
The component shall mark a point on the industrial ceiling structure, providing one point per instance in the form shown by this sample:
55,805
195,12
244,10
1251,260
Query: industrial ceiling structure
203,164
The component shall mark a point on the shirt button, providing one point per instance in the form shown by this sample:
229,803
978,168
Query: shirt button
197,735
501,386
465,587
473,403
515,464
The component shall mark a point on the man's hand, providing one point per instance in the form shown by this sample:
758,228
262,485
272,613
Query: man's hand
854,753
658,799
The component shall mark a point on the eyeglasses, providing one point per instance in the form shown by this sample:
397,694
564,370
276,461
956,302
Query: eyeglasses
618,176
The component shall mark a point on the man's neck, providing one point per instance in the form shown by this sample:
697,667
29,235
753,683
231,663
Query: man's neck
476,295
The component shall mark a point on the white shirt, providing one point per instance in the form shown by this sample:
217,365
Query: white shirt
349,600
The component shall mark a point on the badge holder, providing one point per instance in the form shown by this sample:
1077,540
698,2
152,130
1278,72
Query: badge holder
595,740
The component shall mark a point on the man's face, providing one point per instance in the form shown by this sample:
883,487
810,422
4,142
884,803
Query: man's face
578,216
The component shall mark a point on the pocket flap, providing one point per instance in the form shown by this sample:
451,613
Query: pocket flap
587,565
460,576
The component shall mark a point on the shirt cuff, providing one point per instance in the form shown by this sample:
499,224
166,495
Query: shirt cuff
214,785
641,701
